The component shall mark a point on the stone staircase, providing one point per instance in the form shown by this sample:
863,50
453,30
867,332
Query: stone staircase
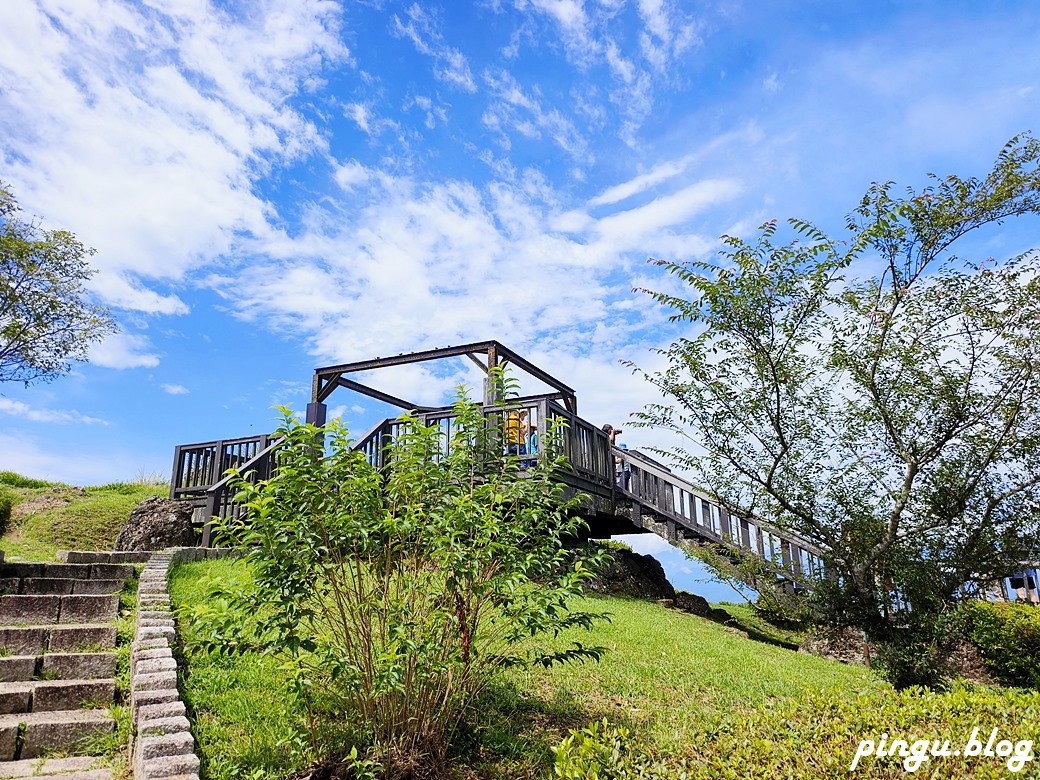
58,663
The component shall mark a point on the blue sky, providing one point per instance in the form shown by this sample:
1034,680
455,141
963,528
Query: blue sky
276,185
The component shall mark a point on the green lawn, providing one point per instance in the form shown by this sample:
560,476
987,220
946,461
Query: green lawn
671,676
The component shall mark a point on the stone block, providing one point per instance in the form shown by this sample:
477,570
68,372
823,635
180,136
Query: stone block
167,745
29,610
9,726
80,765
146,697
17,667
49,732
82,556
23,641
112,571
181,767
152,643
168,709
51,695
156,632
20,570
88,609
15,697
154,681
79,666
86,636
155,665
154,727
58,586
80,571
96,587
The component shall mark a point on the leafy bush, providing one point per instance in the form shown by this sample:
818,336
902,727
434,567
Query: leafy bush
605,752
395,596
17,480
819,735
7,502
1008,636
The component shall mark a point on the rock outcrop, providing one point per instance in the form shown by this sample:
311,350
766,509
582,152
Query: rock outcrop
628,573
157,523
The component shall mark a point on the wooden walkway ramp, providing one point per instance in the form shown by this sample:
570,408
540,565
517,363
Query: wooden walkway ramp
639,495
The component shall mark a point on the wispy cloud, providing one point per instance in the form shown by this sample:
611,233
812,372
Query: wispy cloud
59,416
512,109
175,389
450,64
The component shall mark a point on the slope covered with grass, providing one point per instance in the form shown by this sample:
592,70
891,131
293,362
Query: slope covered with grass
46,517
670,676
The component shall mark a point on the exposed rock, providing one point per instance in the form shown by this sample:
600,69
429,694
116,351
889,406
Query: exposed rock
965,661
157,523
691,602
698,605
843,644
628,573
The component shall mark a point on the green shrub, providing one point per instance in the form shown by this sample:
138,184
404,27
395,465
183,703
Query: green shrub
7,502
17,480
1008,636
395,596
605,752
819,735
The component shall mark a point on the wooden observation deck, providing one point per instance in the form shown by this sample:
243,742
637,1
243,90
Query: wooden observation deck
648,498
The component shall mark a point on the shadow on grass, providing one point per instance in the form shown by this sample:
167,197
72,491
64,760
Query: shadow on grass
510,733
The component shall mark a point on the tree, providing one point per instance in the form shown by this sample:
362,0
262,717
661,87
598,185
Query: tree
45,321
893,418
395,596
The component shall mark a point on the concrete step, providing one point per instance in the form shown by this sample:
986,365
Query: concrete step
58,666
76,571
16,610
58,586
116,556
72,768
34,640
53,695
34,734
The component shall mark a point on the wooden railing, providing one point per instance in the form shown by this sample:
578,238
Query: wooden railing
679,504
629,480
197,467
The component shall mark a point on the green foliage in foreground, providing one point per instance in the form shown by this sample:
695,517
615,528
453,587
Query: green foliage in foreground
1008,636
394,596
605,751
67,518
670,678
819,735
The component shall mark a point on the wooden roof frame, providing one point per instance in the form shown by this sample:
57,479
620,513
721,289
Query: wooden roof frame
327,379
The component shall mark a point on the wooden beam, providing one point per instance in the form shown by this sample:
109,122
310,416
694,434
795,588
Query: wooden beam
381,396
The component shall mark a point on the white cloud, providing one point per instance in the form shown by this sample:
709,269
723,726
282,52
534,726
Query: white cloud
127,124
60,416
123,350
513,109
175,389
450,65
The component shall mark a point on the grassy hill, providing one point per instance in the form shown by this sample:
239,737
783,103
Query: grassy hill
669,676
48,516
689,690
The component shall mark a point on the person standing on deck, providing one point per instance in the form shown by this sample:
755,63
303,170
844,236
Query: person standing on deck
516,430
622,468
